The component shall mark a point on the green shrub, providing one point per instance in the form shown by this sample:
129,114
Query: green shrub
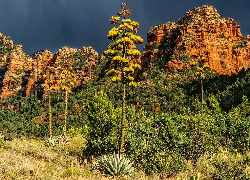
226,171
72,171
51,141
104,125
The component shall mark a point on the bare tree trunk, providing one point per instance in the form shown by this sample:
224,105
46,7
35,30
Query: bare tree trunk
122,150
123,121
66,112
50,118
201,97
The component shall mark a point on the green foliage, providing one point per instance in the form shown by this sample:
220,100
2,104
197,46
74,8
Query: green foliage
225,171
195,177
213,106
238,126
242,44
6,50
168,44
72,171
103,124
116,165
51,141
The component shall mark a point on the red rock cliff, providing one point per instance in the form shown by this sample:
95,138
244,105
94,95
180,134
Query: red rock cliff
21,73
228,50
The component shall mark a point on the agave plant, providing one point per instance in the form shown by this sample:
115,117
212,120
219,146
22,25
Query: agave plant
51,141
116,165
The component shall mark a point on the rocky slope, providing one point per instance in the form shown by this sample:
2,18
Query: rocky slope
21,73
203,31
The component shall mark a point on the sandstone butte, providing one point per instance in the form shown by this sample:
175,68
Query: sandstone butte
226,50
21,73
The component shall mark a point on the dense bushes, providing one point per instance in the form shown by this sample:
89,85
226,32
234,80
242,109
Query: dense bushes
162,142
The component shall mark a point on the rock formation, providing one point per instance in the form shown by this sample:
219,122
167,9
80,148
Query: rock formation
15,67
21,73
220,39
200,32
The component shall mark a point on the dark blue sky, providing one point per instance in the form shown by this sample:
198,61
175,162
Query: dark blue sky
51,24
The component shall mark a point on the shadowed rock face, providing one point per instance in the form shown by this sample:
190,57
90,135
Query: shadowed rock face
83,72
21,73
15,67
228,50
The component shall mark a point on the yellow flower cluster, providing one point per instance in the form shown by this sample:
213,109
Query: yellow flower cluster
113,33
111,71
128,69
125,40
197,73
52,81
135,24
199,69
132,83
194,63
72,83
136,66
114,20
130,78
119,58
128,21
114,45
116,78
64,71
136,39
111,52
206,66
69,76
126,26
64,88
133,52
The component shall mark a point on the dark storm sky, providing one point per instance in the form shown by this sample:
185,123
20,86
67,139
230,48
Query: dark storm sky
51,24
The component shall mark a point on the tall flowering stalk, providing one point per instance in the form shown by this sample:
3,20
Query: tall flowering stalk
67,82
50,81
201,65
121,53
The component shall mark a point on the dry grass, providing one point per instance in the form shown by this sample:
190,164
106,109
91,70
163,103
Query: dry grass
31,159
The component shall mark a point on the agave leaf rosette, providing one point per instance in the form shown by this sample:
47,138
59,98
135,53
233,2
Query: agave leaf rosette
116,165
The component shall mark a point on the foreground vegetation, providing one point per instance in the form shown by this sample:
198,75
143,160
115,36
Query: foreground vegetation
25,158
166,134
176,126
